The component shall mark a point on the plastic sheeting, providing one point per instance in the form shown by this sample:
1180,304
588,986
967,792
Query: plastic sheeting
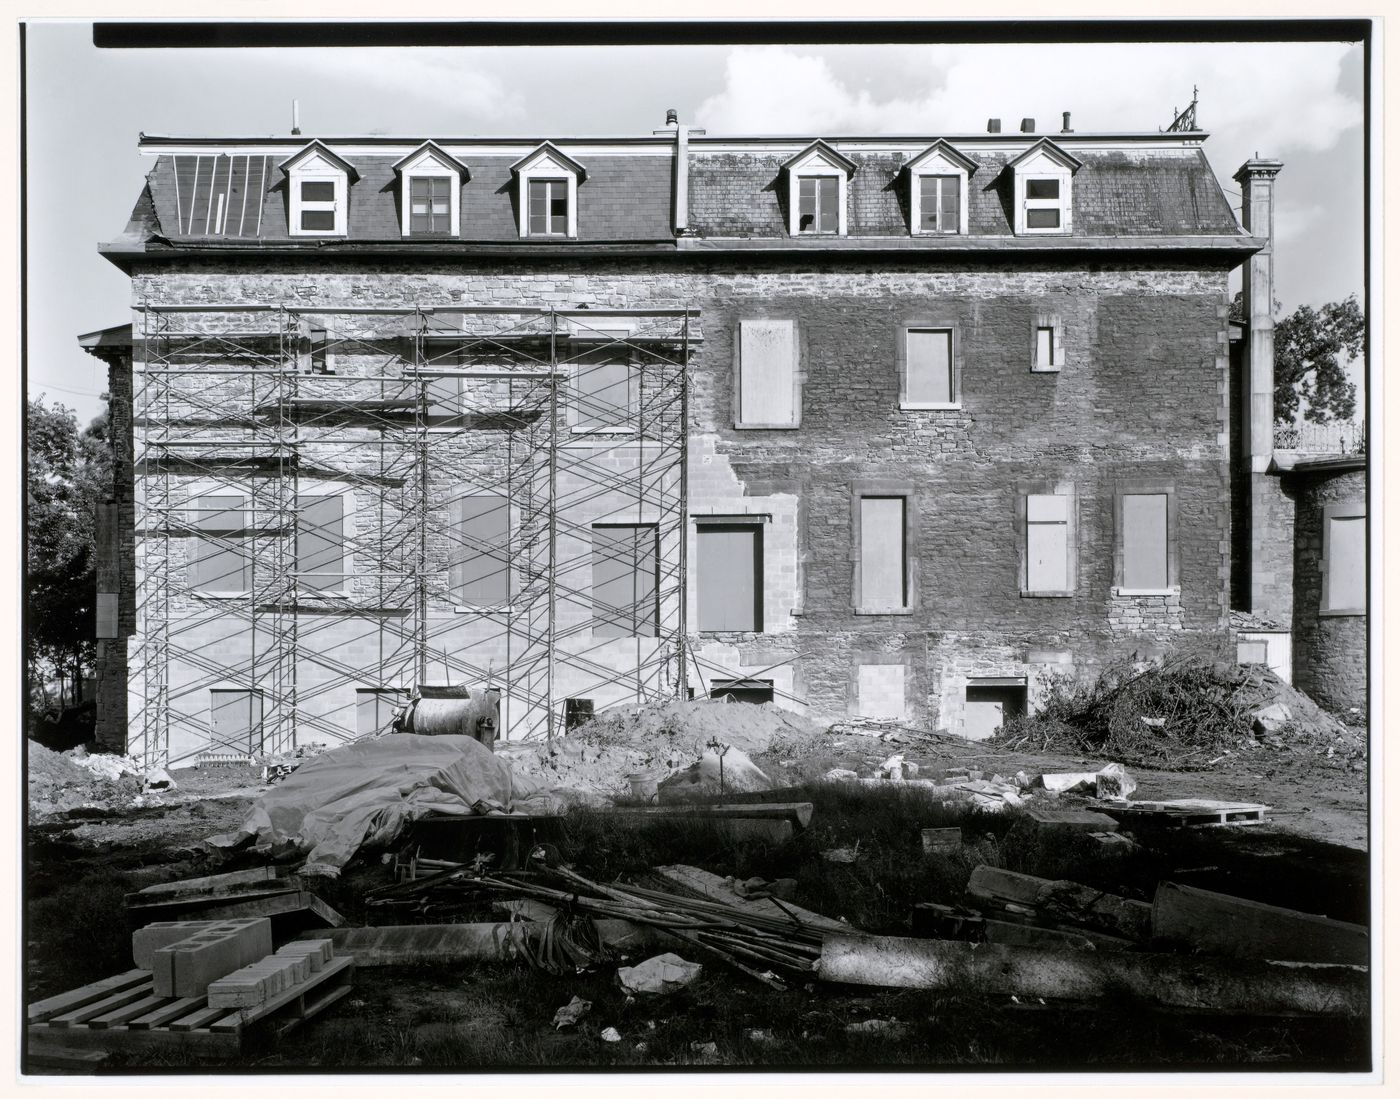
367,793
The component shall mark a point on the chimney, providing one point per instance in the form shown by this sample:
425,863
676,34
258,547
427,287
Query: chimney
1065,129
1028,125
680,210
296,118
1256,180
994,125
672,118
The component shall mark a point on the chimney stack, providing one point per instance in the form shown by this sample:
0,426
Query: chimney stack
1256,180
1028,125
672,118
994,125
1066,128
296,118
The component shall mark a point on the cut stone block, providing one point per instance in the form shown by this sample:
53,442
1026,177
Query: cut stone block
1075,820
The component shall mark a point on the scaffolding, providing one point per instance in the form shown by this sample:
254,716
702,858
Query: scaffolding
338,504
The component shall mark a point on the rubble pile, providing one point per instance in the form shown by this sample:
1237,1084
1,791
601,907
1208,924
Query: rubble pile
1191,709
62,781
658,739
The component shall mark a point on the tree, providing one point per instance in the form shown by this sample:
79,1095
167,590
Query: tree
66,479
1312,348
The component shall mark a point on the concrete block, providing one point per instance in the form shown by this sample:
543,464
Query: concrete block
317,951
1073,820
152,937
189,966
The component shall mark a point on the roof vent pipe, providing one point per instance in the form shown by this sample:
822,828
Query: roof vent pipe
672,118
296,117
1028,125
994,125
1066,128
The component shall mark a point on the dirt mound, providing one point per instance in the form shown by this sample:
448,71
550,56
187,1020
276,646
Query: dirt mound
59,782
658,739
1191,709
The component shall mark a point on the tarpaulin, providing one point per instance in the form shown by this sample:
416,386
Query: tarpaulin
367,792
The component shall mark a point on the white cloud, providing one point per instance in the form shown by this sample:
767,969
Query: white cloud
1277,96
1293,221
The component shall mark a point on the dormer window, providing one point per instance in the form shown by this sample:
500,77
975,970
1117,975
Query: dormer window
817,179
318,187
1043,180
430,192
547,189
938,179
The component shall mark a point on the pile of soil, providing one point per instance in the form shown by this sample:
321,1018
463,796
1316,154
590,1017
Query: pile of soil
658,739
1190,710
58,783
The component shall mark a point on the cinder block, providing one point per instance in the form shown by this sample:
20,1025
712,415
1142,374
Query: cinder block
153,936
318,951
188,967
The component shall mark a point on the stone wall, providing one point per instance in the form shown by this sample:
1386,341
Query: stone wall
1141,400
1329,649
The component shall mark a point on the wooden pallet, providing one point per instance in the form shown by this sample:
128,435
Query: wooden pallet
1191,812
123,1013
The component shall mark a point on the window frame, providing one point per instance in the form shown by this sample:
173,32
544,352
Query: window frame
1065,491
192,513
1043,160
1055,323
1350,510
459,547
327,491
939,159
547,163
880,487
603,340
818,160
1145,488
430,162
927,324
754,526
655,602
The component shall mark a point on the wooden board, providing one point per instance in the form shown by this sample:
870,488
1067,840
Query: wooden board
1216,923
132,1019
1191,812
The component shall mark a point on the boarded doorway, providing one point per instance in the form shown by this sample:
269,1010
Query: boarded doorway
990,703
236,718
743,690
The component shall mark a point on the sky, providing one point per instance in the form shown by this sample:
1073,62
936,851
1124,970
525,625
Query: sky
1298,102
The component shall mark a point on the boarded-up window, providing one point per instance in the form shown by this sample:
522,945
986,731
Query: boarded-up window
374,709
480,574
938,204
1345,563
107,614
1047,543
929,374
625,580
767,365
818,204
236,720
444,396
883,581
221,559
321,543
1145,541
1252,652
606,391
729,570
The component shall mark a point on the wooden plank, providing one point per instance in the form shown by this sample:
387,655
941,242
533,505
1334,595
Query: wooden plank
1231,987
127,1013
127,1041
799,812
1063,902
198,1019
1076,820
172,1009
100,1007
44,1054
714,888
1215,923
216,884
40,1010
313,1008
236,907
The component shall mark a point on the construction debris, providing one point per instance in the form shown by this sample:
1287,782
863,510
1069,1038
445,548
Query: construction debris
659,976
721,769
941,841
263,891
1064,902
1208,985
798,812
572,1012
1214,923
610,1034
1188,812
1072,820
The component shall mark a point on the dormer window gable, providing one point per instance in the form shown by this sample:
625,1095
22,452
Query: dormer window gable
938,190
817,178
318,186
1043,182
430,192
547,192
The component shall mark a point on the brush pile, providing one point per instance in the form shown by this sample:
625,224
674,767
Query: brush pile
1187,710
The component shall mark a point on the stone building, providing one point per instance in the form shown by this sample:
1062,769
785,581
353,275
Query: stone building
882,426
